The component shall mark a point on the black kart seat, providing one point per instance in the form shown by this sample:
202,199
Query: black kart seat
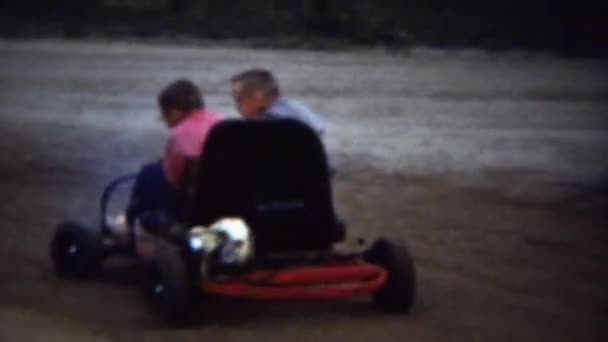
274,174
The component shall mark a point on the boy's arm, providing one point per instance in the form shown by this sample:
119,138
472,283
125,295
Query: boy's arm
174,163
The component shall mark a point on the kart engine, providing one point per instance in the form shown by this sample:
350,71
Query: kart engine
231,238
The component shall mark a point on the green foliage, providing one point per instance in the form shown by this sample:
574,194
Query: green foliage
490,24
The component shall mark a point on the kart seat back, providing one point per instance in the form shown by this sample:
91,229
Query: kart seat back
274,174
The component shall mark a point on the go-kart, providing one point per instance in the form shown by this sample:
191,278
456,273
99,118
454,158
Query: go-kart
260,224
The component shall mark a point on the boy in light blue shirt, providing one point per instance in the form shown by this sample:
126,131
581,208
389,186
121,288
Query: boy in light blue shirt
256,94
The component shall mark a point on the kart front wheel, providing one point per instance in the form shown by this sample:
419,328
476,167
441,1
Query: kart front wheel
76,252
172,288
399,292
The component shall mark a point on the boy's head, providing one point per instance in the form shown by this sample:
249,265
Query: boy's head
253,91
178,100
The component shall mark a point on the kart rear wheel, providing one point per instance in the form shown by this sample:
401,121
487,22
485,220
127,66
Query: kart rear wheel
76,252
172,289
399,292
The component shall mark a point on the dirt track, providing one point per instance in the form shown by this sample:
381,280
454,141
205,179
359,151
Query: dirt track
473,159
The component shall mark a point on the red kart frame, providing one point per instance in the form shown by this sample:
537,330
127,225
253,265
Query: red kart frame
329,281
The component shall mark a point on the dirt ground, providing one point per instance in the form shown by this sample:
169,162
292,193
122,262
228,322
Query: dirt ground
489,166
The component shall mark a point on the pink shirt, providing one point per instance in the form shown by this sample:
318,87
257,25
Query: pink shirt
185,144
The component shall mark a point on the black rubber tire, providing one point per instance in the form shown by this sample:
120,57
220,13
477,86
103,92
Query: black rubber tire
76,252
398,295
174,297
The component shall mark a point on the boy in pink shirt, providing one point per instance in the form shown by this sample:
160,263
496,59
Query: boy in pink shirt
183,111
162,186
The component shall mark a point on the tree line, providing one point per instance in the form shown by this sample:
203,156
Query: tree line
498,24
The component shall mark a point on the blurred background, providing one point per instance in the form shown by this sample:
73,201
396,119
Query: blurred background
568,27
475,131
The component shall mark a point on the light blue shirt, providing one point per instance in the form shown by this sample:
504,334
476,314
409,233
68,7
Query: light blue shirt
284,108
291,109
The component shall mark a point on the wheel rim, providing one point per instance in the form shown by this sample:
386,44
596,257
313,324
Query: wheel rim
67,254
72,249
157,290
159,293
